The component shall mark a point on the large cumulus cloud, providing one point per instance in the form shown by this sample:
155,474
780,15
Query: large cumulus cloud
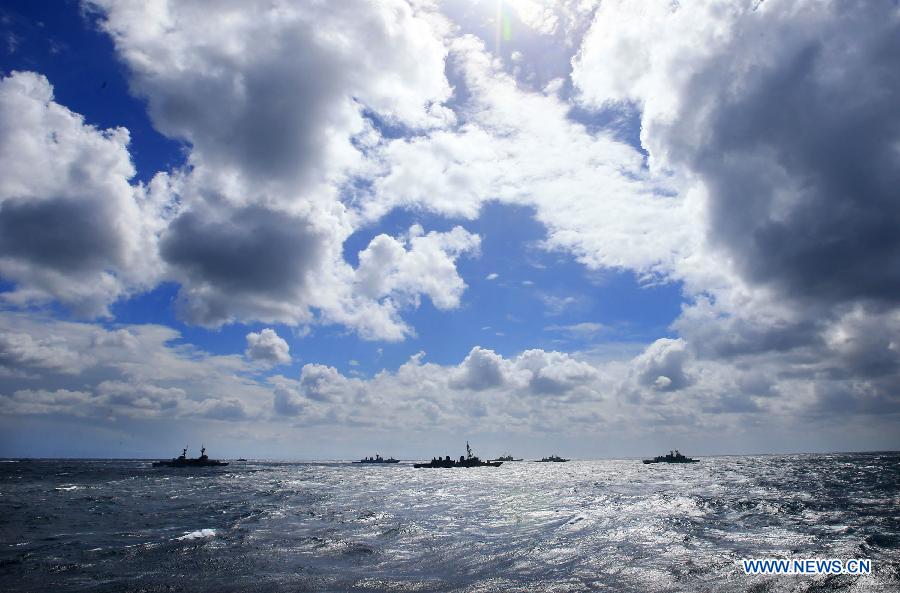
268,347
72,227
280,104
784,111
275,91
782,116
277,129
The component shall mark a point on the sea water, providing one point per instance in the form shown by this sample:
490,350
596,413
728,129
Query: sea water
604,525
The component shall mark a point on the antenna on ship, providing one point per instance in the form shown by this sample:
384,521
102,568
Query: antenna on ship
468,450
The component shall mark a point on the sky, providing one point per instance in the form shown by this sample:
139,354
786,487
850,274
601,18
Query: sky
321,230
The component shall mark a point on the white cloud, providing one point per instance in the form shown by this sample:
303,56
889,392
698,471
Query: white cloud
246,58
134,371
557,305
662,365
778,121
481,369
768,190
20,351
591,191
263,204
770,119
427,266
585,329
267,346
554,373
287,401
77,232
143,373
72,228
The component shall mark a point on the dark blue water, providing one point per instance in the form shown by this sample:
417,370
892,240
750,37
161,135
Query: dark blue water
613,525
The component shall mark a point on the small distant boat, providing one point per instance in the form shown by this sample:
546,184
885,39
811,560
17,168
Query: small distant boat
552,459
377,459
506,458
672,457
183,460
241,459
469,460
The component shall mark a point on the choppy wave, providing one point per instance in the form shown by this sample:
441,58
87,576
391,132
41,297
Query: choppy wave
198,534
612,525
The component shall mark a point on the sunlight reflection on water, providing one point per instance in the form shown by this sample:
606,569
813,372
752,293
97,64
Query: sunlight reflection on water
612,525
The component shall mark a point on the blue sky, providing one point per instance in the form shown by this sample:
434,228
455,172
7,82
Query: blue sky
329,230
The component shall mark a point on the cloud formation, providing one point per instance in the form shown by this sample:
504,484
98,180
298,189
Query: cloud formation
72,227
268,347
426,266
785,113
292,80
73,230
140,373
132,372
262,205
779,117
590,190
764,183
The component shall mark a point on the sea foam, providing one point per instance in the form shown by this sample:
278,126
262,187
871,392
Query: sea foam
199,534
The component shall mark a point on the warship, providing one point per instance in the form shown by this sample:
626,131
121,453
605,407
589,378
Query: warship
672,457
552,459
377,459
505,458
469,460
183,460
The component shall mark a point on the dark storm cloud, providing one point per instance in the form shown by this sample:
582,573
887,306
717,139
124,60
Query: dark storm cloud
803,164
62,234
866,344
857,398
252,251
736,337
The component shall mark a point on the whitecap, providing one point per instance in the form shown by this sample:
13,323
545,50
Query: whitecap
199,534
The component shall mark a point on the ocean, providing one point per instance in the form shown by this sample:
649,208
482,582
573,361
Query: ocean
602,525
